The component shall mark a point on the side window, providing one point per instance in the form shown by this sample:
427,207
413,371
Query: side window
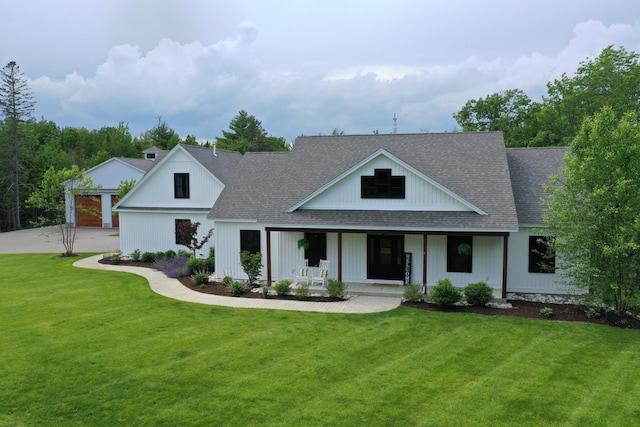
179,223
459,254
250,241
181,185
541,257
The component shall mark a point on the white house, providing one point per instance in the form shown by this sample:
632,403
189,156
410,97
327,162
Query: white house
183,185
392,209
107,176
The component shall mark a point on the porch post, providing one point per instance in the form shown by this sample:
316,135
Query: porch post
505,251
340,256
268,257
424,259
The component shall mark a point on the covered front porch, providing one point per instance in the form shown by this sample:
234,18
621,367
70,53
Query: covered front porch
371,260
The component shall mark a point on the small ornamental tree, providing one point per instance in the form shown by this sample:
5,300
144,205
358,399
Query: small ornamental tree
187,235
56,195
252,265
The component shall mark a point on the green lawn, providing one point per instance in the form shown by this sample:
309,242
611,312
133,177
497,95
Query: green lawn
84,347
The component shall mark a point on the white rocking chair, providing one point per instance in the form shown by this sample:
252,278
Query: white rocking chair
302,274
322,273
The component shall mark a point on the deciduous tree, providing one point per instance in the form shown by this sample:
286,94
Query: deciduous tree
56,194
593,209
507,111
187,235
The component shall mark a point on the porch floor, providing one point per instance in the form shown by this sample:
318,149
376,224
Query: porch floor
365,289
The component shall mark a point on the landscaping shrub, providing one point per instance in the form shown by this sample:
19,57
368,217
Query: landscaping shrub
135,255
478,293
148,257
283,287
184,252
302,291
227,280
265,291
445,294
238,288
197,265
336,288
173,267
211,260
251,265
201,279
412,292
115,257
160,255
170,254
546,311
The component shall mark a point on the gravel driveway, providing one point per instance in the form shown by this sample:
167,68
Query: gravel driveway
49,240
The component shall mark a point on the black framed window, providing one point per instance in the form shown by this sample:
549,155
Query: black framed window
459,254
382,185
541,257
181,185
180,222
250,241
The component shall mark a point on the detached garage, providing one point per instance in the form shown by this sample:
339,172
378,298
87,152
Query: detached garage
95,210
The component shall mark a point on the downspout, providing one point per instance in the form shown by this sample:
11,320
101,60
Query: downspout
268,257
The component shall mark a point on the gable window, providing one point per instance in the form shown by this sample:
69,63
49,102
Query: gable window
179,223
541,257
181,185
382,185
250,241
459,254
150,156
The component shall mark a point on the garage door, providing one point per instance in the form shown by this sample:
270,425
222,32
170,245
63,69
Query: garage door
115,221
88,211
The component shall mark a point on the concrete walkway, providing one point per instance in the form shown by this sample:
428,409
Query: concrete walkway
172,288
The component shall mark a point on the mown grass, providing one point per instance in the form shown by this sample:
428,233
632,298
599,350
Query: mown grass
83,347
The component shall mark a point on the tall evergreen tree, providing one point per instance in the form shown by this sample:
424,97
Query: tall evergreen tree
16,105
247,134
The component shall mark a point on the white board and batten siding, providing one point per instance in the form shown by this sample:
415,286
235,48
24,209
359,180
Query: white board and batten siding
420,194
518,277
155,231
226,239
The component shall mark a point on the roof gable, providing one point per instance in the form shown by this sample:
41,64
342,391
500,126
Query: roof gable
423,194
193,159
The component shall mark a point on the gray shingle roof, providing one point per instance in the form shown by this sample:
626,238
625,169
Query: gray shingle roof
142,164
221,165
472,165
530,169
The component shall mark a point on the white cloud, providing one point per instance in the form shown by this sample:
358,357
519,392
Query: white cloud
199,87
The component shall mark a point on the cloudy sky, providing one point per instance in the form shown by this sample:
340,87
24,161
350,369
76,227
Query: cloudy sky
300,66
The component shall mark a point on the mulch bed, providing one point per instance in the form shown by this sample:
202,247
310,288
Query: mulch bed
525,309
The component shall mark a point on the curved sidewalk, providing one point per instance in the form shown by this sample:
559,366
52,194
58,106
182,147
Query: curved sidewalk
172,288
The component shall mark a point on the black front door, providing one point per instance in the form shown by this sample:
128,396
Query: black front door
385,257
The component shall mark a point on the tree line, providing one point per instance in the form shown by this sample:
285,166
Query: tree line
611,79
